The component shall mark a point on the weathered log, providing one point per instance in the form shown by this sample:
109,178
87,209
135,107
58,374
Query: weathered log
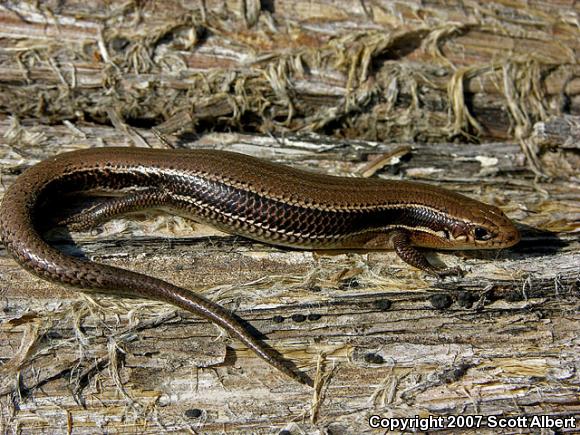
369,88
379,337
360,70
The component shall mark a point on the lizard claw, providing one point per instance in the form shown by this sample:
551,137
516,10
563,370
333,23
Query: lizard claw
449,271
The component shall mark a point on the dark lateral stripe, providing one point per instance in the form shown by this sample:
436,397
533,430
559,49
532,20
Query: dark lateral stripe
246,209
234,204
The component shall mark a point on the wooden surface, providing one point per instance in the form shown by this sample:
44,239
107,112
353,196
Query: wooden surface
378,70
380,337
332,87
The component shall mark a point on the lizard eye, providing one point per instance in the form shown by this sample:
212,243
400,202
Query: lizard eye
482,234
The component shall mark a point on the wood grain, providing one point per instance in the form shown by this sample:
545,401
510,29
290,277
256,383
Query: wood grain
478,97
381,338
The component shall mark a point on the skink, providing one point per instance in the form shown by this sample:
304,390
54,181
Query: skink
241,195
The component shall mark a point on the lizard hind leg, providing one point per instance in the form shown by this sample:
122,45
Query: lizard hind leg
111,207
